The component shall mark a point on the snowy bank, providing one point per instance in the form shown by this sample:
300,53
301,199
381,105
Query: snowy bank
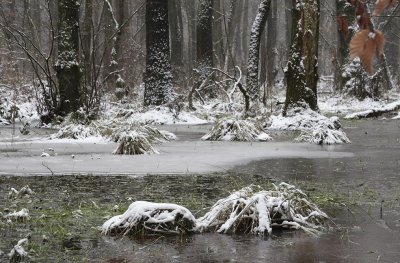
313,127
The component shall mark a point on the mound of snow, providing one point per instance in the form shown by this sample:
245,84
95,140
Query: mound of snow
135,140
229,129
145,217
160,115
314,127
248,210
77,132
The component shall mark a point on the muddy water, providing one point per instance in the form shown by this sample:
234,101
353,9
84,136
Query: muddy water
361,194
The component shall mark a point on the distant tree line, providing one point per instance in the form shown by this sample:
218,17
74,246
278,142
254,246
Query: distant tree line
74,52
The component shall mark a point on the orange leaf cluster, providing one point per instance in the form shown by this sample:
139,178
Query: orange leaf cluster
381,5
343,26
365,45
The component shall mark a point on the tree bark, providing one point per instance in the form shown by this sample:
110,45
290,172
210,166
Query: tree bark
158,76
302,69
204,56
67,66
254,55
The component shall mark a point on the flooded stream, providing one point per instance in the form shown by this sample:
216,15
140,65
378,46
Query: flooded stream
360,193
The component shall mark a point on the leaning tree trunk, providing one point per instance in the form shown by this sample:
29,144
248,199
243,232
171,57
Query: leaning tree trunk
67,66
257,30
158,76
302,68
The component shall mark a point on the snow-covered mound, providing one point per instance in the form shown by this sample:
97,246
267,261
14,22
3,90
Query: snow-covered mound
314,127
251,211
145,217
134,140
77,132
159,115
229,129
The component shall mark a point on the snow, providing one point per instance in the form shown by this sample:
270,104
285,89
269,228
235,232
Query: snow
252,204
229,129
386,108
148,215
18,251
314,127
23,214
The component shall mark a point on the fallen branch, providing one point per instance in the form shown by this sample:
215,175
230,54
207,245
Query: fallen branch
373,113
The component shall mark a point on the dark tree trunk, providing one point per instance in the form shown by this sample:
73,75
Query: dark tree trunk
176,27
204,34
67,66
254,55
87,31
158,77
302,68
344,17
177,47
204,45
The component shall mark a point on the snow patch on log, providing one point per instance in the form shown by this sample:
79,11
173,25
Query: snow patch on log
229,129
376,112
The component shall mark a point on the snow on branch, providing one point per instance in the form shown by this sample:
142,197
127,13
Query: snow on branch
230,129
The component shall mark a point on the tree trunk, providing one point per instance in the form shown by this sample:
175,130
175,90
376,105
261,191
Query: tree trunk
176,28
87,31
302,68
254,55
158,76
67,66
204,56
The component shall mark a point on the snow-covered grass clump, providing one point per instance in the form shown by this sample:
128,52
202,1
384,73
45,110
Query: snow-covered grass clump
257,212
134,140
160,115
18,252
77,132
230,129
314,127
21,215
151,218
24,191
249,210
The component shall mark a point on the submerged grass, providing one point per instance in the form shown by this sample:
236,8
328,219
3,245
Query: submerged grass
66,211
